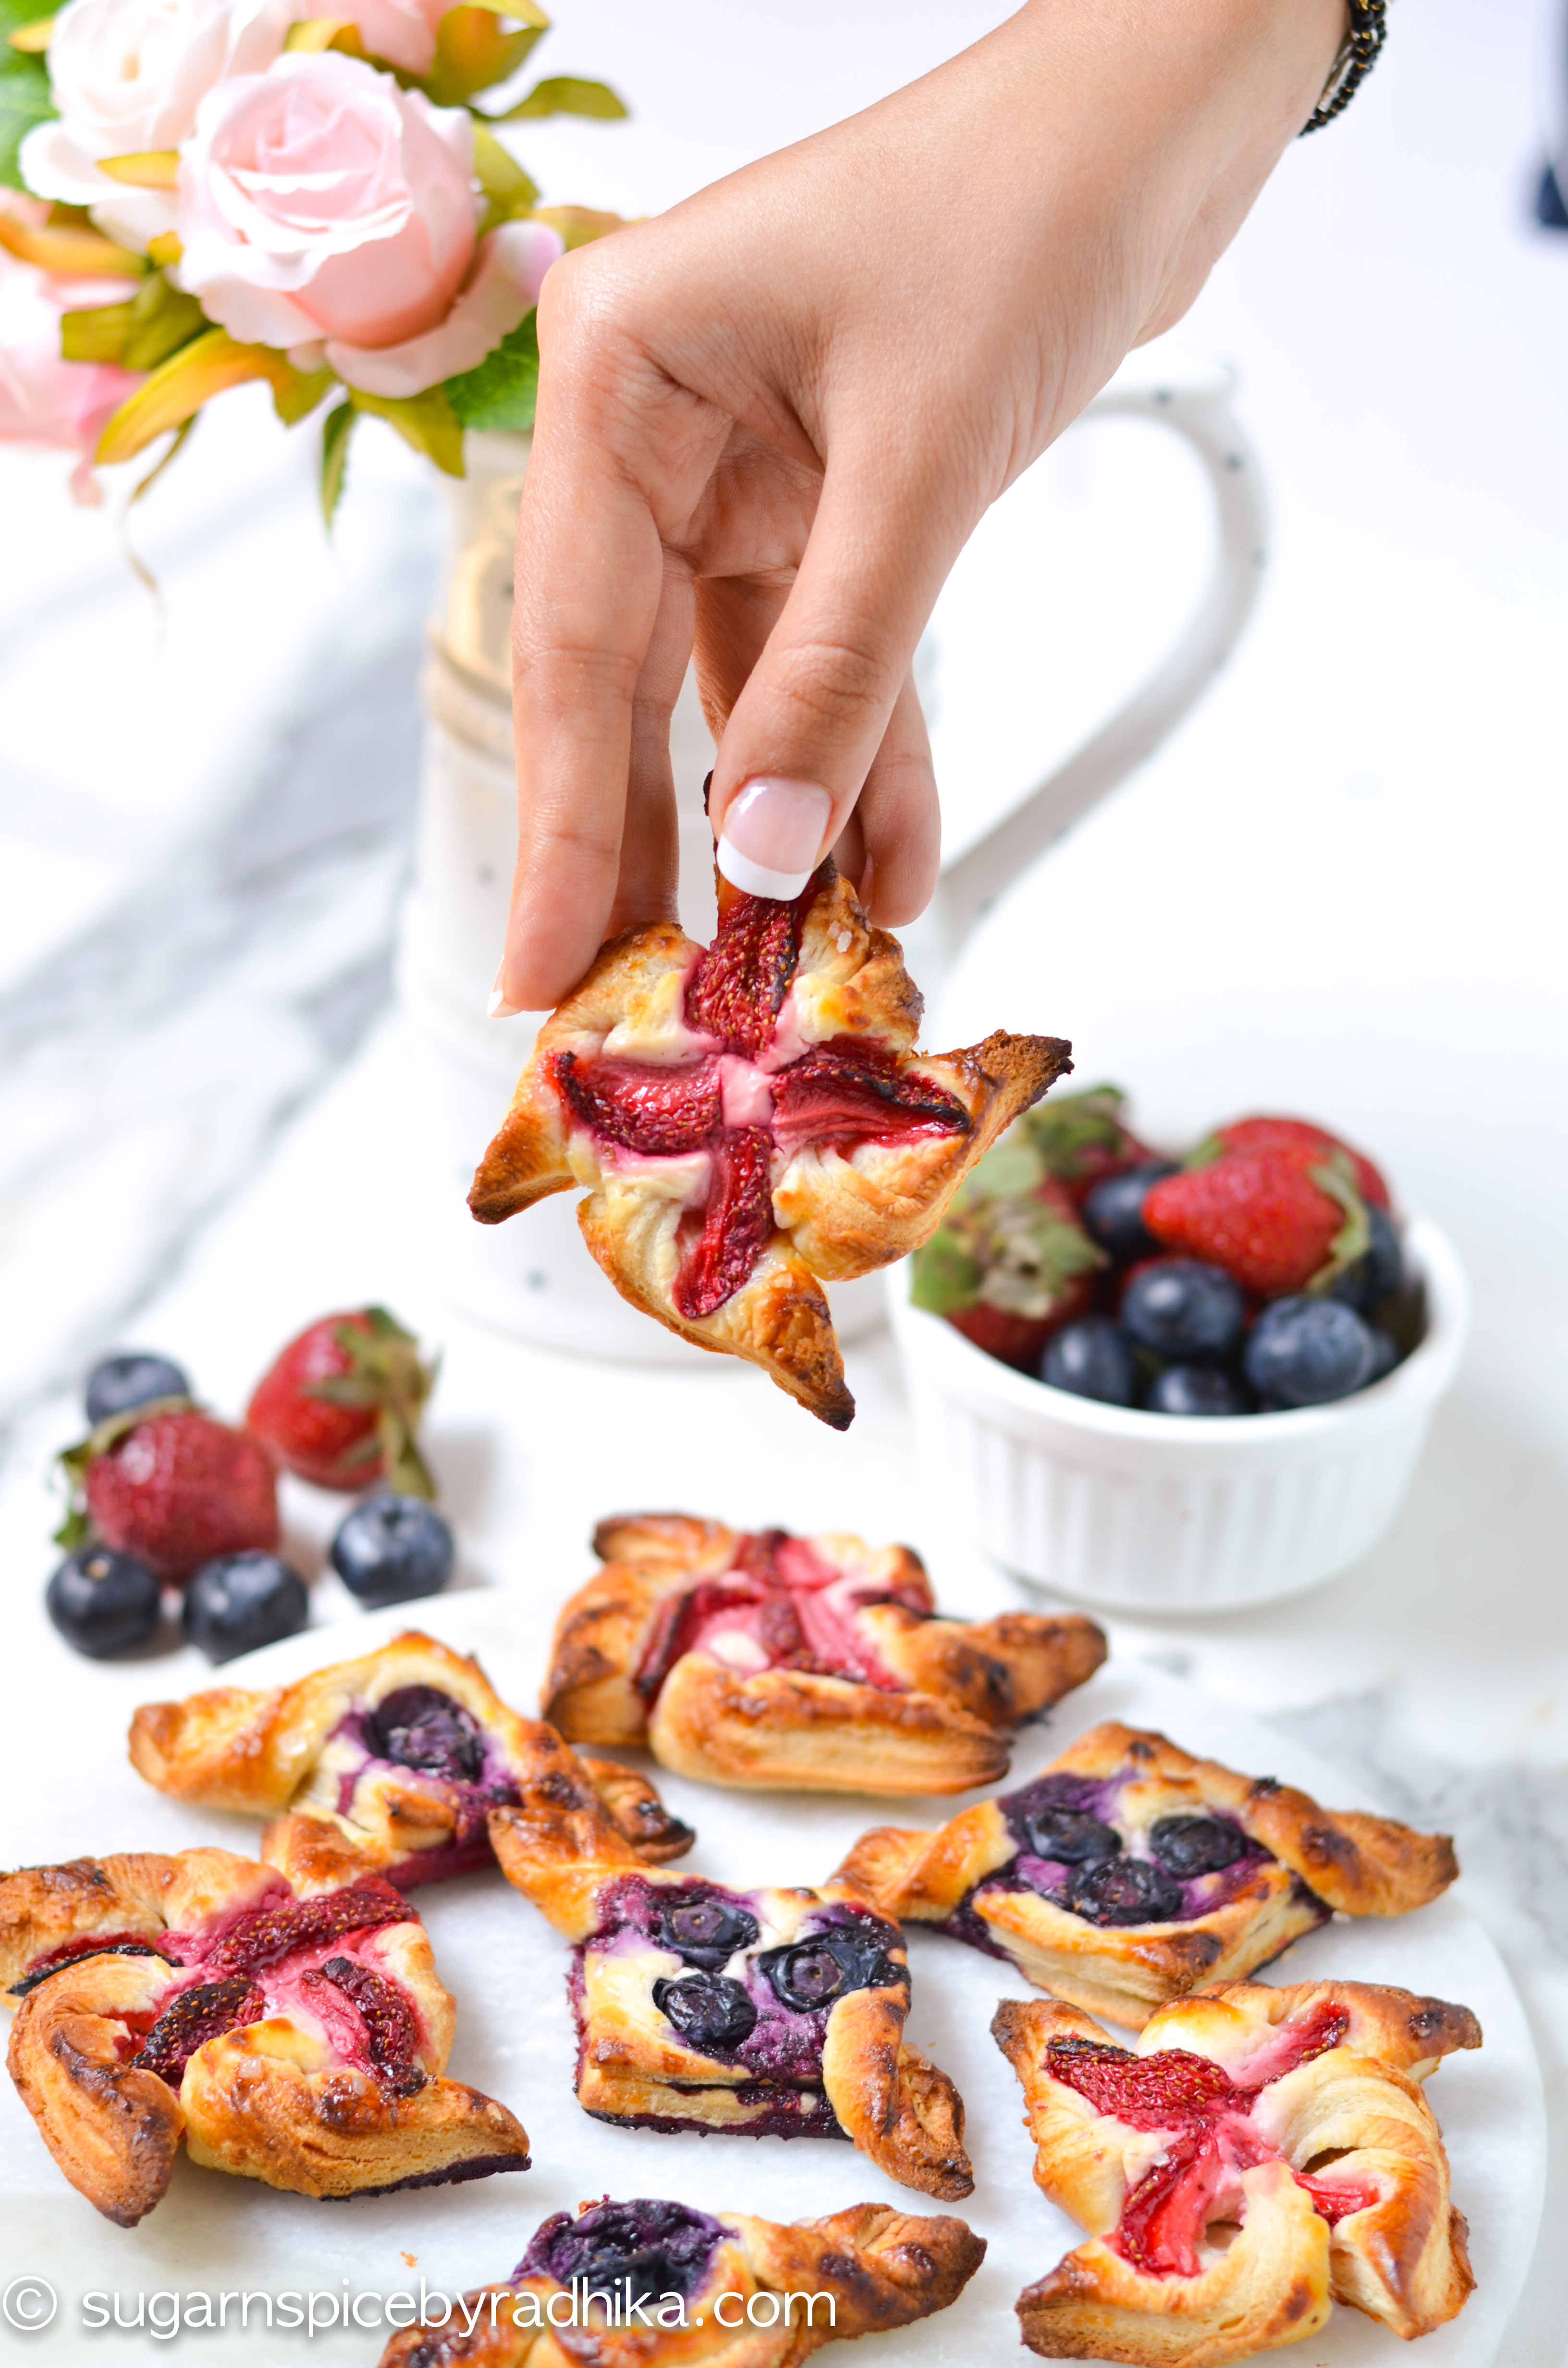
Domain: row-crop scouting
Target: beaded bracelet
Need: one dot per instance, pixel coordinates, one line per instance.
(1369, 31)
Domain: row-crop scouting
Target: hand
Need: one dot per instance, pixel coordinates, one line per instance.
(769, 419)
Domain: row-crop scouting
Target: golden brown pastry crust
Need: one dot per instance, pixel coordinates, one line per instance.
(940, 1722)
(558, 1847)
(1321, 1860)
(285, 1753)
(1349, 2112)
(881, 2268)
(836, 1213)
(290, 2097)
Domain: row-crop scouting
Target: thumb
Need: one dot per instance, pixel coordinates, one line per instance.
(806, 729)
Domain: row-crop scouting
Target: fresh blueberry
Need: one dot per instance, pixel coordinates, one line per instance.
(1371, 1281)
(708, 2009)
(1071, 1835)
(706, 1932)
(392, 1548)
(1091, 1357)
(240, 1601)
(103, 1602)
(1188, 1845)
(1196, 1389)
(1307, 1352)
(131, 1379)
(1184, 1309)
(1124, 1891)
(1386, 1353)
(1113, 1211)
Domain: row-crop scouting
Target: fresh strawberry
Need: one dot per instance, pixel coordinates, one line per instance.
(1307, 1143)
(1260, 1215)
(1018, 1340)
(340, 1406)
(1082, 1139)
(172, 1487)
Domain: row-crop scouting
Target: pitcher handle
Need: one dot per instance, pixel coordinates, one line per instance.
(1196, 402)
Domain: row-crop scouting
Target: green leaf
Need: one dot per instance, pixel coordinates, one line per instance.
(507, 189)
(426, 421)
(473, 54)
(568, 95)
(295, 394)
(24, 101)
(1336, 1177)
(95, 335)
(945, 1279)
(156, 322)
(1064, 1128)
(15, 14)
(501, 392)
(335, 430)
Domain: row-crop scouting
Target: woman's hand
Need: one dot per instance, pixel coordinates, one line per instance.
(769, 419)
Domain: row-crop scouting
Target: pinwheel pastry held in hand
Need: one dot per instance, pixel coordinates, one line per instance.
(389, 1765)
(293, 2035)
(1128, 1872)
(752, 1120)
(1255, 2153)
(639, 2280)
(763, 2012)
(806, 1664)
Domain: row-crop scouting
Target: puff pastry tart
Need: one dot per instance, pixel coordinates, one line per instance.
(389, 1764)
(1259, 2152)
(630, 2286)
(1128, 1872)
(297, 2036)
(752, 1120)
(764, 2012)
(806, 1664)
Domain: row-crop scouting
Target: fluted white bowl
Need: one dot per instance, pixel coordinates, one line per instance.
(1155, 1512)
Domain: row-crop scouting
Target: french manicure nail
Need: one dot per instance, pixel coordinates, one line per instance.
(498, 1007)
(773, 834)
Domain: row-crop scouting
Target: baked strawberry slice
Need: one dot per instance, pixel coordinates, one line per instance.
(736, 1222)
(738, 988)
(848, 1092)
(659, 1112)
(174, 1487)
(1262, 1216)
(1301, 1140)
(341, 1404)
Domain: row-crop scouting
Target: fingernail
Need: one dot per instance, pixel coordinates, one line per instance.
(498, 1007)
(773, 834)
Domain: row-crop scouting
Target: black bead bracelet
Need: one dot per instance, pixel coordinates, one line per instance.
(1369, 31)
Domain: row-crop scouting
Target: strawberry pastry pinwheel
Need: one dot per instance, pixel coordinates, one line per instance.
(752, 1121)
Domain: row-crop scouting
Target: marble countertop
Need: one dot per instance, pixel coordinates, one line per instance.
(1337, 889)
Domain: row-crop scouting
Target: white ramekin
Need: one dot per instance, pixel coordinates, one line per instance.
(1156, 1512)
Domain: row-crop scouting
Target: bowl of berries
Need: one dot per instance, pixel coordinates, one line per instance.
(1176, 1382)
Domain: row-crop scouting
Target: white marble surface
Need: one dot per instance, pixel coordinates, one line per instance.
(1340, 889)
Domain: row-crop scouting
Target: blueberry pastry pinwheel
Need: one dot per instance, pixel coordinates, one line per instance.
(294, 2035)
(1258, 2153)
(650, 2284)
(389, 1764)
(807, 1663)
(751, 1119)
(1129, 1872)
(764, 2012)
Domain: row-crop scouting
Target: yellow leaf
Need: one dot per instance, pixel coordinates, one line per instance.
(473, 52)
(98, 334)
(178, 388)
(578, 224)
(157, 168)
(568, 95)
(165, 249)
(426, 421)
(33, 39)
(507, 189)
(316, 33)
(68, 251)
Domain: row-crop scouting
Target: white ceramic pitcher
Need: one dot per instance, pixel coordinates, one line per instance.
(533, 1277)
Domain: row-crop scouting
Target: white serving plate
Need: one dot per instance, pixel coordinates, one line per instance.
(1156, 1512)
(507, 1969)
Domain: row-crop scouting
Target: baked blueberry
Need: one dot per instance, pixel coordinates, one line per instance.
(813, 1972)
(708, 2009)
(705, 1931)
(1189, 1846)
(656, 2247)
(133, 1378)
(1308, 1352)
(1124, 1891)
(1093, 1358)
(103, 1602)
(1070, 1836)
(1113, 1211)
(1373, 1277)
(419, 1726)
(1184, 1309)
(1197, 1390)
(391, 1548)
(240, 1601)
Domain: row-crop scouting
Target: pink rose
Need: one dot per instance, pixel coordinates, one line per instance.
(320, 207)
(43, 399)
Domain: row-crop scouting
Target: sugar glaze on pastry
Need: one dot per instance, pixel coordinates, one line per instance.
(751, 1119)
(810, 1664)
(1256, 2153)
(1129, 1872)
(295, 2036)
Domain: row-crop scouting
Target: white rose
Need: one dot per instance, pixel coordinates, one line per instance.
(127, 77)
